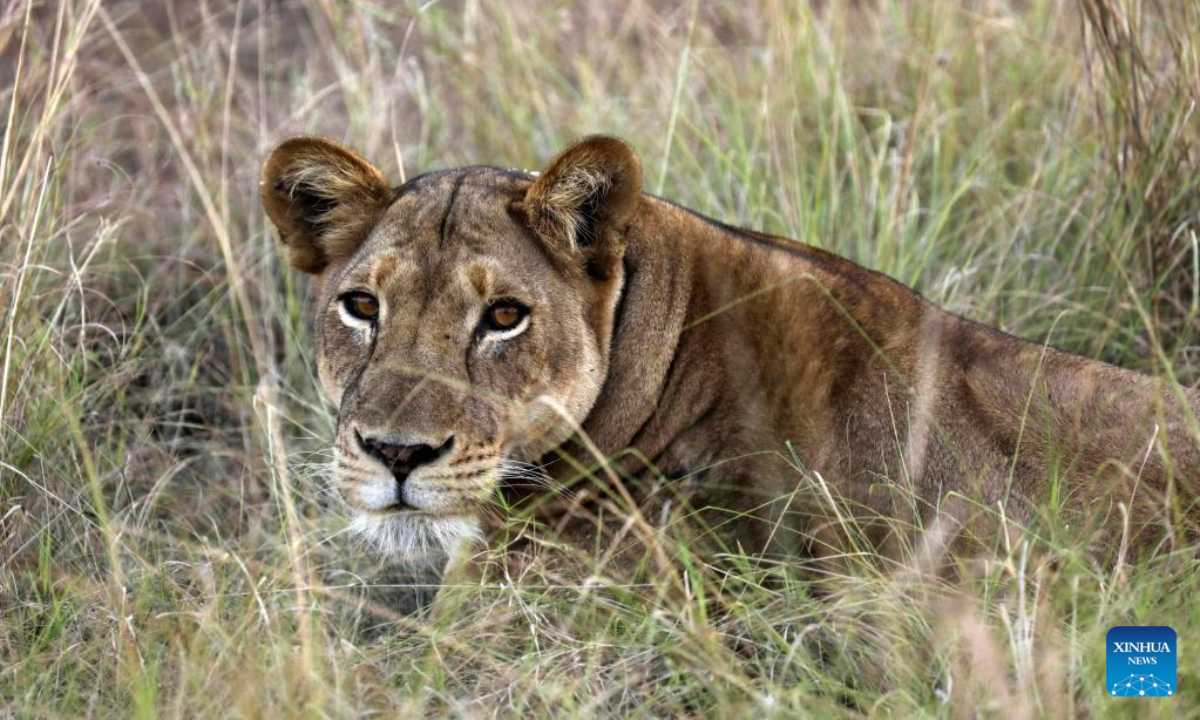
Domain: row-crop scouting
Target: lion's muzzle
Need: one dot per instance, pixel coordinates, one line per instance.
(401, 459)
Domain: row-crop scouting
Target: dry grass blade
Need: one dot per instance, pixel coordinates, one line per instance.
(170, 544)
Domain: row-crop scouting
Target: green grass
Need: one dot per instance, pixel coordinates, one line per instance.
(169, 543)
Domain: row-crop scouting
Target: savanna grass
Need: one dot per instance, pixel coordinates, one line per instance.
(169, 545)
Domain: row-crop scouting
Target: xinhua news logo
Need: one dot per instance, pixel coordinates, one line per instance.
(1141, 661)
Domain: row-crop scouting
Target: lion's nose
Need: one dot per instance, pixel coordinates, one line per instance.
(403, 459)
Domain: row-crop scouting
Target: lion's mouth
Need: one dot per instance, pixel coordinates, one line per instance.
(401, 508)
(427, 492)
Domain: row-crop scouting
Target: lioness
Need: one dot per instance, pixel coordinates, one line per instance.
(476, 322)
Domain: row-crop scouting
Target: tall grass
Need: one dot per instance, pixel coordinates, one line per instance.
(168, 541)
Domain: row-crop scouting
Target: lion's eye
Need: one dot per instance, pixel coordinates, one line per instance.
(362, 306)
(504, 315)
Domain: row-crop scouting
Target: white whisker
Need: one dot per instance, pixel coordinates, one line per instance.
(536, 474)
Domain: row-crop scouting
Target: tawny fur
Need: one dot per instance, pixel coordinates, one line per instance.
(768, 385)
(322, 198)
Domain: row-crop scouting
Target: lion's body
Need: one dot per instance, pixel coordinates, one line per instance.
(773, 384)
(763, 367)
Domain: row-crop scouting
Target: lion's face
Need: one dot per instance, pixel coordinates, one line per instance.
(462, 322)
(449, 331)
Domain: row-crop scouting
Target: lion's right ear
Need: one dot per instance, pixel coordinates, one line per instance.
(323, 197)
(584, 201)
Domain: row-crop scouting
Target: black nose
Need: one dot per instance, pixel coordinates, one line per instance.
(402, 459)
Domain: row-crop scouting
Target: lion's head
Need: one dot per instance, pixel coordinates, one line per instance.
(462, 321)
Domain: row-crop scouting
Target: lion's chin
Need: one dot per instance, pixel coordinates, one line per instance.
(417, 537)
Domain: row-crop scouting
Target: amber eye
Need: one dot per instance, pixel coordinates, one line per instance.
(504, 315)
(362, 306)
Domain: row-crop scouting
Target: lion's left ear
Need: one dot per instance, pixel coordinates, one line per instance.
(583, 202)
